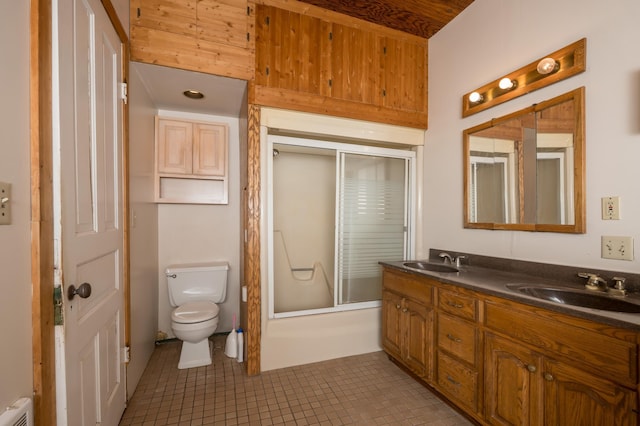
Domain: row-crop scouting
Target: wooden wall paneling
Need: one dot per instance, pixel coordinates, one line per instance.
(263, 44)
(405, 75)
(416, 83)
(355, 64)
(347, 53)
(183, 52)
(220, 46)
(252, 243)
(173, 16)
(291, 49)
(223, 21)
(391, 70)
(296, 101)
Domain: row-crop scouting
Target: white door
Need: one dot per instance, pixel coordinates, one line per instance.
(90, 214)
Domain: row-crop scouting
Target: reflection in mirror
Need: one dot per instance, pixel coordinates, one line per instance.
(525, 171)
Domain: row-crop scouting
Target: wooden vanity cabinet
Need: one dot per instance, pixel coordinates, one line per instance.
(407, 319)
(507, 363)
(548, 368)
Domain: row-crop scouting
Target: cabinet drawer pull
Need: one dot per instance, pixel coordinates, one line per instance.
(452, 380)
(454, 338)
(531, 368)
(454, 304)
(405, 310)
(548, 377)
(398, 306)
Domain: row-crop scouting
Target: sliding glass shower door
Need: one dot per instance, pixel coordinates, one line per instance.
(372, 222)
(336, 211)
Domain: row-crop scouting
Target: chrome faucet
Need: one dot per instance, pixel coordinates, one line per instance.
(447, 258)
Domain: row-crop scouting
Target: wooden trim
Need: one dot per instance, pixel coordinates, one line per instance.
(252, 243)
(317, 104)
(43, 337)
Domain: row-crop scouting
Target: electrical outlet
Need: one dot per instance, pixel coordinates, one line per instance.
(611, 208)
(617, 248)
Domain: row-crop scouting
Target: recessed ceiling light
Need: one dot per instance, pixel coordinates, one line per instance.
(193, 94)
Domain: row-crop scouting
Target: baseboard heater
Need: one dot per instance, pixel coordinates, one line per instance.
(20, 413)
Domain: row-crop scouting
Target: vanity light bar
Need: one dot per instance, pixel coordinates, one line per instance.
(557, 66)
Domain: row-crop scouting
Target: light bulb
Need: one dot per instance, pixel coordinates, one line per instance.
(475, 97)
(547, 66)
(506, 83)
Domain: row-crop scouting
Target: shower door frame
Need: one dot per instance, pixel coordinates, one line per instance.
(360, 149)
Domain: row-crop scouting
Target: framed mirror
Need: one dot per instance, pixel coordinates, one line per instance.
(526, 171)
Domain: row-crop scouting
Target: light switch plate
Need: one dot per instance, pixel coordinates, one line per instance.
(617, 248)
(5, 203)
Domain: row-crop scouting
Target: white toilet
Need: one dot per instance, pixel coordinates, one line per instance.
(194, 290)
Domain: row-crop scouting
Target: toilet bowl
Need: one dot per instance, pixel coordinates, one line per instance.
(193, 323)
(194, 291)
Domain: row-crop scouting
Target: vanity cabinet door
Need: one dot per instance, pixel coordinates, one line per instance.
(574, 396)
(513, 388)
(406, 332)
(418, 346)
(391, 323)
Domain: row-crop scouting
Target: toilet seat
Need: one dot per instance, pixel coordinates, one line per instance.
(195, 312)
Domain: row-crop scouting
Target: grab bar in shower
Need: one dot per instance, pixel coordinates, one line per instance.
(302, 269)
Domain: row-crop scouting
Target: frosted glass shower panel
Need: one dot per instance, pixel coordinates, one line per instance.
(373, 222)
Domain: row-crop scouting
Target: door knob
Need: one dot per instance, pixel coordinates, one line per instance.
(83, 291)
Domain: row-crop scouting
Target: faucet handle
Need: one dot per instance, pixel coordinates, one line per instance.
(619, 282)
(458, 259)
(618, 288)
(593, 280)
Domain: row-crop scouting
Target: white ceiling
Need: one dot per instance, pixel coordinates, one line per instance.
(222, 95)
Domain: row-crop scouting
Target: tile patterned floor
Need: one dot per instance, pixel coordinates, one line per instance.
(359, 390)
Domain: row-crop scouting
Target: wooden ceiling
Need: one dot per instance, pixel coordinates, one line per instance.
(423, 18)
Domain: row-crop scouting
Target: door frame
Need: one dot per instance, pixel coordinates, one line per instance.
(42, 237)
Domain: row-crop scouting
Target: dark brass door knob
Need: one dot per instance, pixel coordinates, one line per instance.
(83, 291)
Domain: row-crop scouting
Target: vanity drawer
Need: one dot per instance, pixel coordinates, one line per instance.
(457, 304)
(406, 284)
(458, 381)
(457, 337)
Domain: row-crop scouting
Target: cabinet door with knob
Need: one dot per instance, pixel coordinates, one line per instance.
(523, 387)
(512, 383)
(407, 322)
(575, 396)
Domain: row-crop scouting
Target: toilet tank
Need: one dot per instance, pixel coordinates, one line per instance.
(191, 282)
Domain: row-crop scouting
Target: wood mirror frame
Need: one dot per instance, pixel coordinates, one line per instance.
(509, 160)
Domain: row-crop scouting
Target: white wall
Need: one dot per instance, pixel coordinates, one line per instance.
(16, 378)
(200, 233)
(144, 230)
(494, 37)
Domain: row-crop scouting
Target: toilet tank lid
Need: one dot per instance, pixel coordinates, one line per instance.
(195, 267)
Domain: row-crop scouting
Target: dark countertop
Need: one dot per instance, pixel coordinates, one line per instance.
(493, 281)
